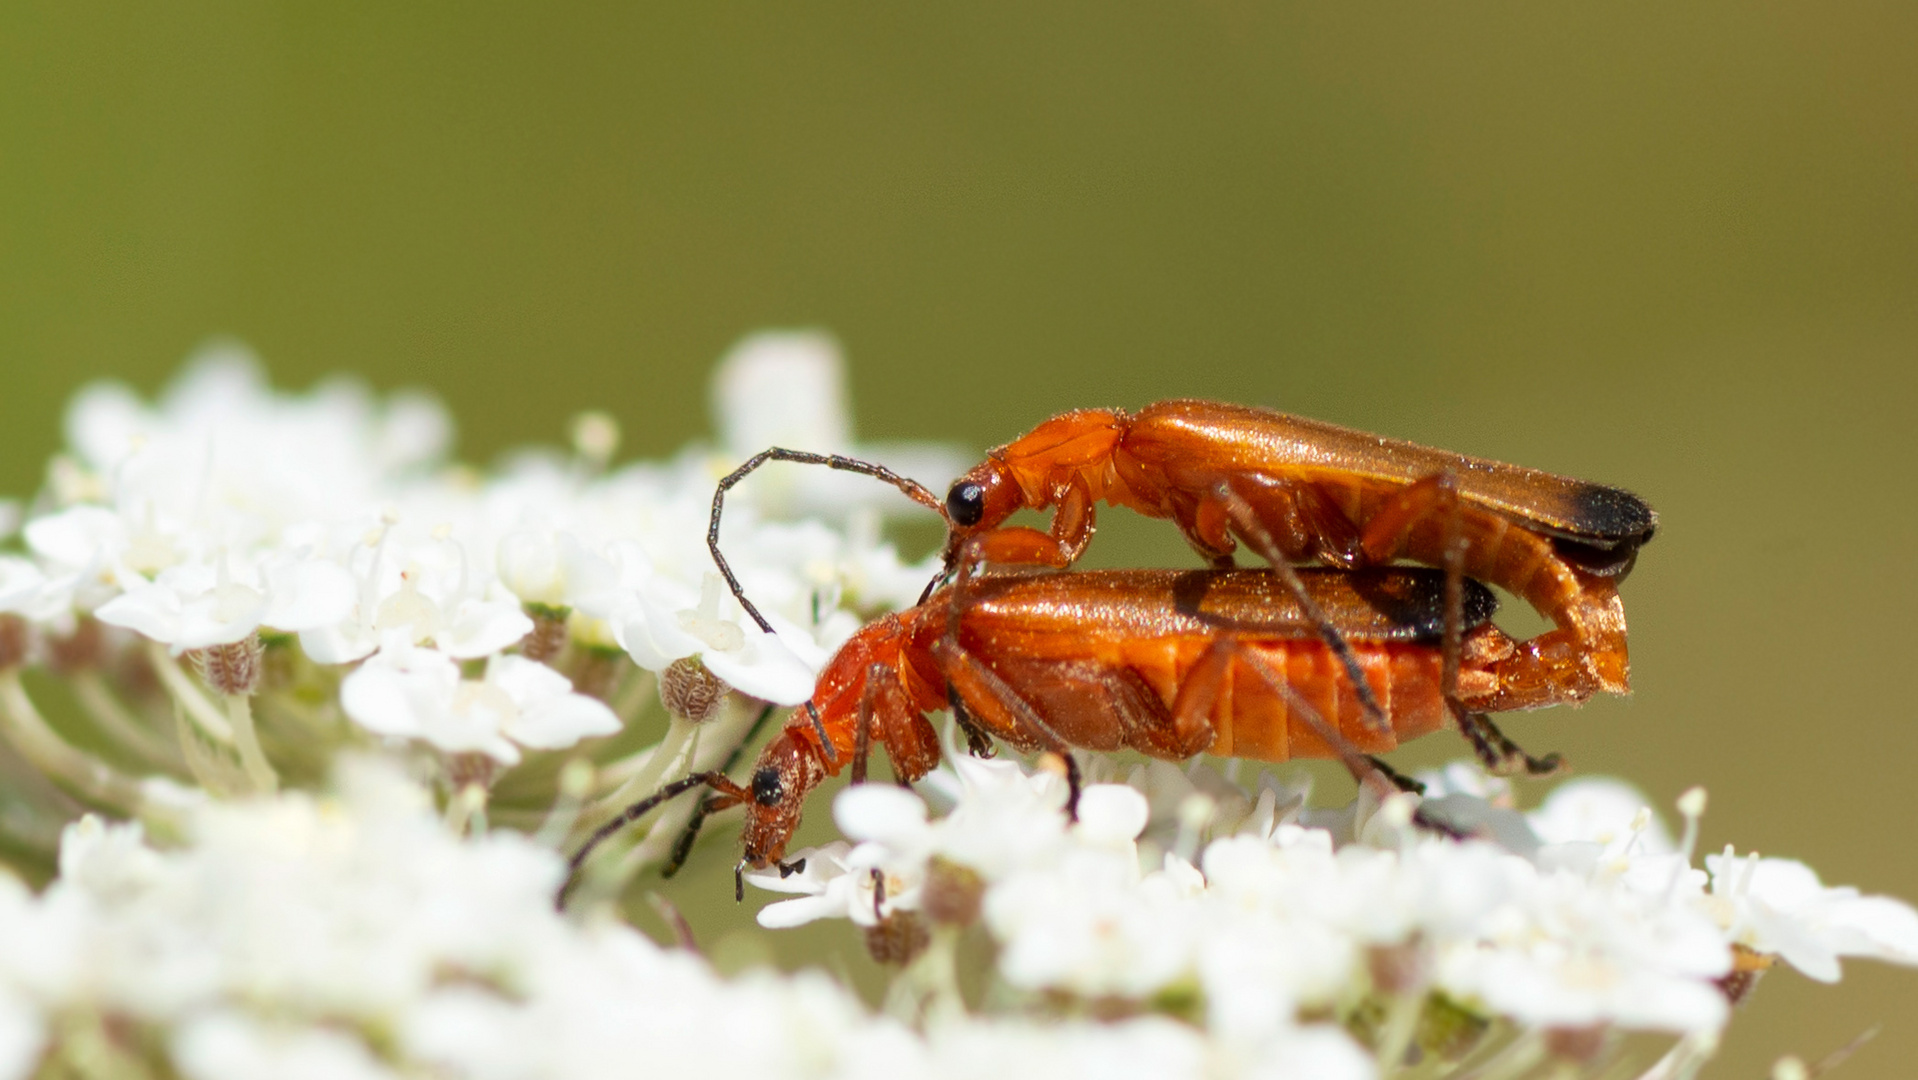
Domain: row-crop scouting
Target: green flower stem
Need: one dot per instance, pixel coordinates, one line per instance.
(632, 698)
(575, 783)
(467, 809)
(670, 758)
(119, 724)
(657, 844)
(1684, 1060)
(1401, 1026)
(1515, 1059)
(926, 994)
(663, 761)
(199, 710)
(85, 776)
(239, 713)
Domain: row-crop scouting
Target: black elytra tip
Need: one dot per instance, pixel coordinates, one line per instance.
(1613, 514)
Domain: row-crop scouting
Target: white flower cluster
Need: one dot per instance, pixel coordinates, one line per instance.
(243, 589)
(354, 938)
(1579, 917)
(331, 530)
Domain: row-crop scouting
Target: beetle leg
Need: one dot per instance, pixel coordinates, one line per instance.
(1191, 717)
(978, 743)
(862, 731)
(1360, 765)
(1499, 754)
(1000, 709)
(1208, 528)
(1384, 539)
(886, 714)
(1018, 545)
(1072, 522)
(1399, 779)
(1246, 521)
(683, 846)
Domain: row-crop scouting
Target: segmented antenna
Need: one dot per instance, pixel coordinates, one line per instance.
(912, 489)
(628, 816)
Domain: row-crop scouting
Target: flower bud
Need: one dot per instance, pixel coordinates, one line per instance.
(898, 938)
(231, 669)
(465, 771)
(595, 437)
(597, 672)
(548, 635)
(689, 691)
(1398, 969)
(952, 893)
(81, 650)
(1582, 1045)
(14, 641)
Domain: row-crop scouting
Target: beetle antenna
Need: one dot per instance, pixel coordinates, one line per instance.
(684, 845)
(631, 814)
(913, 490)
(819, 728)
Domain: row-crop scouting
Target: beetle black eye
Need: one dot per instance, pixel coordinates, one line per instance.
(767, 790)
(966, 503)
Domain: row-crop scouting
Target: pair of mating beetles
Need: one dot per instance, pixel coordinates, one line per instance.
(1327, 651)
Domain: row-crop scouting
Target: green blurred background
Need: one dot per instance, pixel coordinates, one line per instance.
(1669, 247)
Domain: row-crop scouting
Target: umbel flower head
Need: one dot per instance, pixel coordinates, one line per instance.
(346, 705)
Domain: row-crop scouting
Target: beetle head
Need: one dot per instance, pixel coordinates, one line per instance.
(979, 501)
(786, 772)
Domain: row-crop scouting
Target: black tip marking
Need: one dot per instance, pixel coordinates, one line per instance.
(1414, 600)
(1613, 514)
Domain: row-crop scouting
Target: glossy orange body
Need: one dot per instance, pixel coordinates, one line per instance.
(1303, 491)
(1168, 663)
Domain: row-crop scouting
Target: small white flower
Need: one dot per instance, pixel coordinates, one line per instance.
(1779, 906)
(26, 591)
(1149, 1047)
(1091, 925)
(833, 886)
(1603, 811)
(23, 1036)
(420, 590)
(229, 1045)
(194, 605)
(663, 623)
(788, 388)
(410, 692)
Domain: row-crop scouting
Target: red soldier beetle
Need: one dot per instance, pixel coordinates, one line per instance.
(1295, 491)
(1169, 663)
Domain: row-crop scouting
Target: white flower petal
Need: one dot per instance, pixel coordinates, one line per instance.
(483, 627)
(763, 667)
(1112, 814)
(400, 691)
(782, 388)
(551, 716)
(23, 1036)
(879, 812)
(150, 610)
(305, 594)
(230, 1046)
(84, 536)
